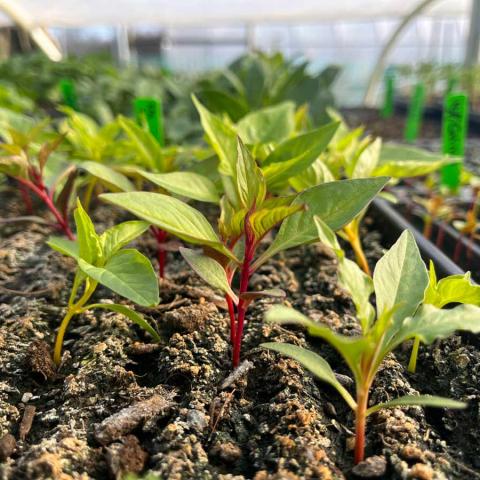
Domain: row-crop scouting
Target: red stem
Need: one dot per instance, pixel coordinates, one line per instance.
(161, 236)
(360, 422)
(244, 278)
(42, 192)
(231, 312)
(440, 236)
(27, 201)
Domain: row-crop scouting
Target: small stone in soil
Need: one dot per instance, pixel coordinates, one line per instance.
(125, 457)
(420, 471)
(26, 423)
(39, 359)
(191, 318)
(127, 419)
(372, 467)
(229, 452)
(8, 446)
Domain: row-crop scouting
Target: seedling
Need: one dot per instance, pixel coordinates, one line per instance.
(351, 156)
(247, 216)
(399, 283)
(27, 164)
(440, 293)
(101, 259)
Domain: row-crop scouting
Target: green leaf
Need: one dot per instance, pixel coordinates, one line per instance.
(400, 278)
(220, 102)
(116, 237)
(171, 215)
(360, 286)
(327, 236)
(64, 246)
(420, 400)
(296, 154)
(145, 145)
(128, 273)
(264, 219)
(313, 175)
(250, 183)
(367, 161)
(271, 124)
(400, 161)
(350, 348)
(187, 184)
(431, 323)
(108, 176)
(209, 270)
(129, 313)
(315, 364)
(89, 248)
(14, 166)
(336, 203)
(222, 136)
(452, 289)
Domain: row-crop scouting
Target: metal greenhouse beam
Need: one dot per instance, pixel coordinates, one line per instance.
(39, 35)
(377, 73)
(473, 42)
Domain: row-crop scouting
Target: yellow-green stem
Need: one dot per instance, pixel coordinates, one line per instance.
(360, 256)
(88, 194)
(412, 364)
(72, 310)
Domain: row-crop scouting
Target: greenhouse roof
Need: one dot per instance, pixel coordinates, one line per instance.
(75, 13)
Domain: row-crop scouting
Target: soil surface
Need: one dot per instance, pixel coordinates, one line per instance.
(120, 403)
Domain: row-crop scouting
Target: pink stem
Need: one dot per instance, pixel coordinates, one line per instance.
(244, 278)
(43, 194)
(160, 235)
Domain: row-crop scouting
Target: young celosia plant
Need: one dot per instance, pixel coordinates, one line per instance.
(26, 164)
(399, 282)
(247, 216)
(101, 259)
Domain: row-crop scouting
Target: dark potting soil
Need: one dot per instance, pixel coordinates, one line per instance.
(120, 403)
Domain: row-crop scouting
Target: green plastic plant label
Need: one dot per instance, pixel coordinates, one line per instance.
(454, 132)
(69, 93)
(150, 110)
(415, 113)
(388, 105)
(452, 83)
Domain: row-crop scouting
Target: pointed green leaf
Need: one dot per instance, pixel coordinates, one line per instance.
(293, 156)
(14, 166)
(313, 175)
(336, 203)
(350, 348)
(111, 178)
(116, 237)
(145, 145)
(367, 161)
(186, 184)
(420, 400)
(222, 136)
(315, 364)
(128, 273)
(400, 278)
(209, 270)
(400, 161)
(64, 246)
(171, 215)
(89, 248)
(430, 323)
(129, 313)
(360, 286)
(452, 289)
(251, 185)
(263, 220)
(270, 124)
